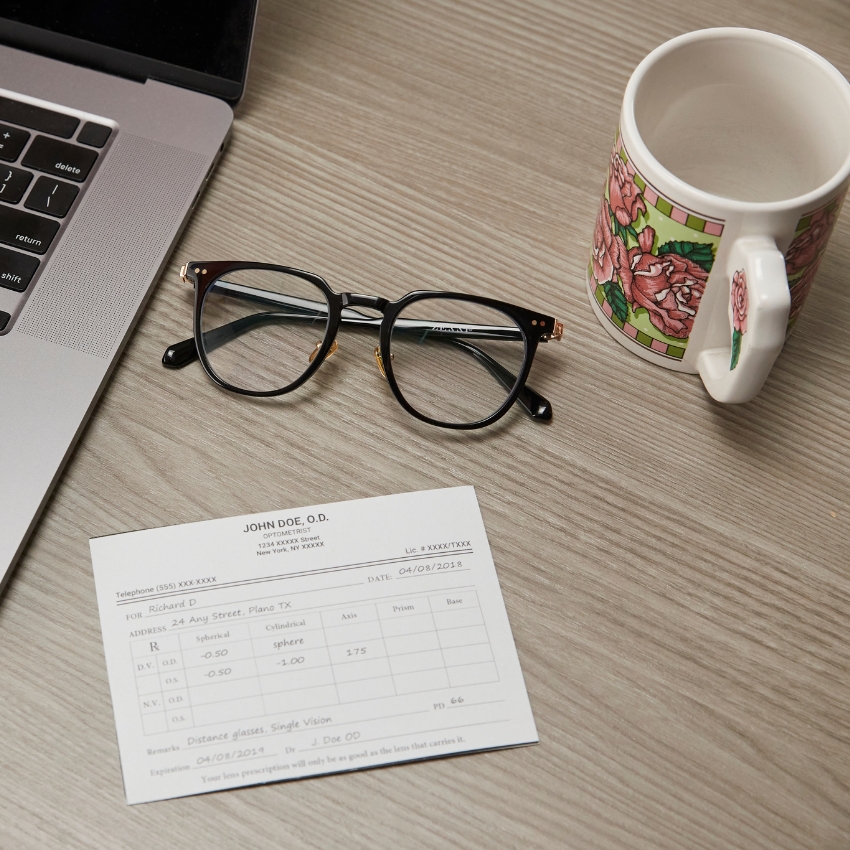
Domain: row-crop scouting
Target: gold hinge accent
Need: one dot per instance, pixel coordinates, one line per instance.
(183, 269)
(556, 334)
(380, 360)
(315, 351)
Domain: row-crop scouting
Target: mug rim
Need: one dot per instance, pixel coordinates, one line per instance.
(637, 146)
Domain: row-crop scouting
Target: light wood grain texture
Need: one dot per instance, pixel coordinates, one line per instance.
(676, 572)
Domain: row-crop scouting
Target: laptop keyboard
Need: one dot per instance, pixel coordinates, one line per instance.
(42, 174)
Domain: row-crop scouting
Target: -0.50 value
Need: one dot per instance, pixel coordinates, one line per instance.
(215, 653)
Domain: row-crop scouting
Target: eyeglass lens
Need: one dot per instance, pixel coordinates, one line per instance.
(455, 361)
(259, 328)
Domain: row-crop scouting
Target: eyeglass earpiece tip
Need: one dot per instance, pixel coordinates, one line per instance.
(180, 354)
(543, 411)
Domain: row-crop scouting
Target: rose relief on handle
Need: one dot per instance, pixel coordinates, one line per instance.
(758, 308)
(739, 306)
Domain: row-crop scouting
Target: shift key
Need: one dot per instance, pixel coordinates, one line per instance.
(59, 158)
(25, 230)
(16, 270)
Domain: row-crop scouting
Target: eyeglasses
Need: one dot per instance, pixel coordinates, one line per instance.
(452, 360)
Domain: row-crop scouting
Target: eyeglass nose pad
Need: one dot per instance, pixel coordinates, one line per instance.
(315, 351)
(380, 361)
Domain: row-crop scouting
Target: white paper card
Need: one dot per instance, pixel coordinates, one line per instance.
(301, 642)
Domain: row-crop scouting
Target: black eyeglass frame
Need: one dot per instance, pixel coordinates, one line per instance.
(535, 328)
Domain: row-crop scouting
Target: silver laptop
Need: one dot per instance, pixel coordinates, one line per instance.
(111, 121)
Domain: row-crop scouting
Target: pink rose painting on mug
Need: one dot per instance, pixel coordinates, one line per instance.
(650, 260)
(806, 251)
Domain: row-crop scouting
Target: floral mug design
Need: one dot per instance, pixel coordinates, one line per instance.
(806, 251)
(740, 304)
(650, 260)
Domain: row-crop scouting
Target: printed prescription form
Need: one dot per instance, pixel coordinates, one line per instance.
(301, 642)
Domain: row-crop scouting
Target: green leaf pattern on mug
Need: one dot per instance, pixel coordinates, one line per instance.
(736, 348)
(699, 252)
(617, 300)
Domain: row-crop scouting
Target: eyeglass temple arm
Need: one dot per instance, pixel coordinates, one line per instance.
(535, 405)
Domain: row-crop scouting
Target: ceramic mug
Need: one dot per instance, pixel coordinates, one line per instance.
(728, 172)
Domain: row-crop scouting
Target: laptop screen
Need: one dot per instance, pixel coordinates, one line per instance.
(200, 45)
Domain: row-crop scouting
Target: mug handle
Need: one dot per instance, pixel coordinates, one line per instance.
(758, 307)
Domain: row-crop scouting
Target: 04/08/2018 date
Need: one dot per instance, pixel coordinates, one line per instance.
(429, 568)
(234, 755)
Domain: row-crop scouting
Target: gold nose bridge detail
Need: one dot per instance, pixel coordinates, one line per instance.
(315, 351)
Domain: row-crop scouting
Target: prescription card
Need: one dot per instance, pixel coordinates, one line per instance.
(301, 642)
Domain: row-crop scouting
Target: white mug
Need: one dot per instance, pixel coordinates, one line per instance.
(728, 172)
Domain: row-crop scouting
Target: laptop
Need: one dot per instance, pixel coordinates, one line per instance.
(112, 118)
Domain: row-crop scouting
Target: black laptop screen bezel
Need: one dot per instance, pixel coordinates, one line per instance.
(102, 57)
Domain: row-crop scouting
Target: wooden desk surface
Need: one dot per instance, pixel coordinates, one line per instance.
(682, 620)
